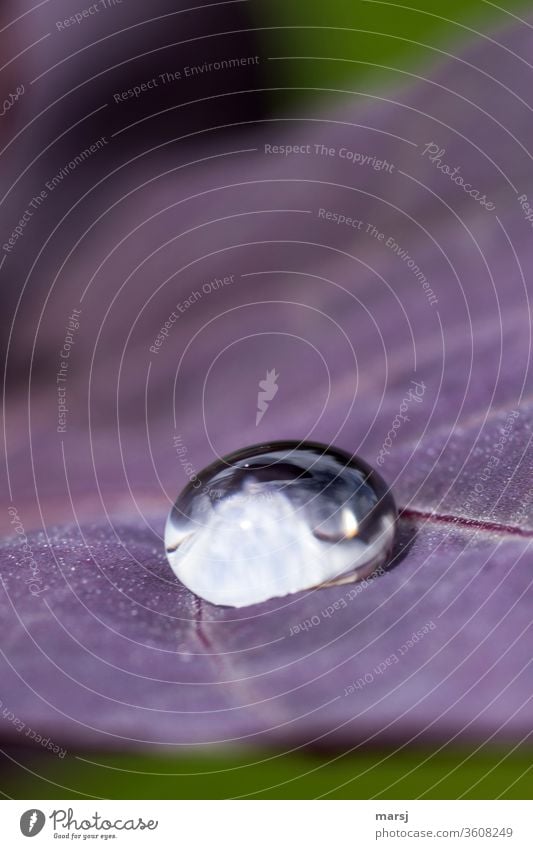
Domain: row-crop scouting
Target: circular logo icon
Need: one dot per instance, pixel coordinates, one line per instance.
(32, 822)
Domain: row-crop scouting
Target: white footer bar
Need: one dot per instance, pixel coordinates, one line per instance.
(269, 824)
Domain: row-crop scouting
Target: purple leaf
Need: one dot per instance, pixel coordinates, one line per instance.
(244, 245)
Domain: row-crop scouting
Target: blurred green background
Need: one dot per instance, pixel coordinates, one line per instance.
(384, 44)
(406, 773)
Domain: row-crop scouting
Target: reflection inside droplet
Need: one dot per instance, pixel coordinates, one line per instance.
(277, 519)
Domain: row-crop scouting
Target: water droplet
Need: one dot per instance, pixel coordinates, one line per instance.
(276, 519)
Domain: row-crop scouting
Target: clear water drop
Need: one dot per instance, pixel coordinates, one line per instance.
(279, 518)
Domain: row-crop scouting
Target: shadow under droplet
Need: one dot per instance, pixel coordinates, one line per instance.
(405, 537)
